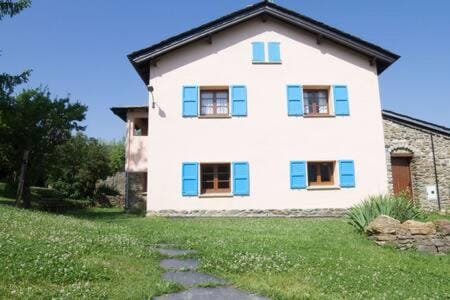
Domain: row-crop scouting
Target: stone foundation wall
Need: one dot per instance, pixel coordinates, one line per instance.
(137, 195)
(425, 237)
(403, 138)
(286, 213)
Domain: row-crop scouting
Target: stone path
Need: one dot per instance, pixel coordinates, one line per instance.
(183, 271)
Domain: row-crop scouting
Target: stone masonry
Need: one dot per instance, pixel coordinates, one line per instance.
(401, 138)
(137, 182)
(273, 213)
(432, 237)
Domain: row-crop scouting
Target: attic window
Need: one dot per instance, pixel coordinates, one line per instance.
(140, 127)
(259, 50)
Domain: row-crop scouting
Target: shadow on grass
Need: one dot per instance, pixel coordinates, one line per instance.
(102, 214)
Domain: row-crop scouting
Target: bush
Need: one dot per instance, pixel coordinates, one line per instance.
(395, 206)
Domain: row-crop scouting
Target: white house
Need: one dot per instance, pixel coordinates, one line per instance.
(262, 111)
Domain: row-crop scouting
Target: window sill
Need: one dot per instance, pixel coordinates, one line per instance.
(215, 117)
(323, 187)
(266, 62)
(216, 195)
(319, 116)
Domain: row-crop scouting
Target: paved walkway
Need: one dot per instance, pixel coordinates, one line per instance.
(183, 271)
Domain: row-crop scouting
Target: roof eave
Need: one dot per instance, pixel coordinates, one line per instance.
(414, 122)
(383, 58)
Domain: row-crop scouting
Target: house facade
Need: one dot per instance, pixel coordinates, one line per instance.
(261, 112)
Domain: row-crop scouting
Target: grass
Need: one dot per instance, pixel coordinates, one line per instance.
(106, 254)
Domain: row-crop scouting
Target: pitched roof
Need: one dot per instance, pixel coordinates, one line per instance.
(121, 111)
(407, 120)
(141, 59)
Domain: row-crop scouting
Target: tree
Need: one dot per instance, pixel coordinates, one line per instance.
(33, 125)
(8, 82)
(78, 165)
(117, 156)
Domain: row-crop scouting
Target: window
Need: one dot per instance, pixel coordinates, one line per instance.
(316, 101)
(215, 178)
(214, 102)
(321, 173)
(140, 127)
(259, 52)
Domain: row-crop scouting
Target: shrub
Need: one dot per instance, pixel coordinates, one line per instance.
(395, 206)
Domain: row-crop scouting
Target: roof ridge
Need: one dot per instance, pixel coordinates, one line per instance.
(141, 57)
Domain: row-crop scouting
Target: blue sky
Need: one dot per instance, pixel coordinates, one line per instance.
(79, 48)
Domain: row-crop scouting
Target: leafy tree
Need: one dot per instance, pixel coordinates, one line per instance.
(117, 156)
(78, 165)
(32, 126)
(8, 82)
(11, 8)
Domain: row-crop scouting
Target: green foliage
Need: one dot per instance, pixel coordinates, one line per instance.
(7, 85)
(395, 206)
(78, 165)
(11, 8)
(33, 122)
(117, 156)
(106, 190)
(106, 254)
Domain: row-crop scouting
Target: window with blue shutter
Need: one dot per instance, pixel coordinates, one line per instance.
(298, 174)
(294, 100)
(238, 100)
(241, 179)
(341, 107)
(347, 173)
(258, 52)
(274, 51)
(190, 101)
(190, 179)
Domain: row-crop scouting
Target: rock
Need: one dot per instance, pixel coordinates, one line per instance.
(419, 228)
(385, 237)
(384, 224)
(423, 248)
(443, 226)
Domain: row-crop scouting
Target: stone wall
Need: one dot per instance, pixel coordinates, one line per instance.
(403, 138)
(293, 213)
(426, 237)
(137, 190)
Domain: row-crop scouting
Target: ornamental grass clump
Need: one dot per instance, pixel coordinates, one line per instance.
(396, 206)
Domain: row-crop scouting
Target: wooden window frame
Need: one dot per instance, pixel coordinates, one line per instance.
(316, 88)
(214, 89)
(319, 181)
(215, 189)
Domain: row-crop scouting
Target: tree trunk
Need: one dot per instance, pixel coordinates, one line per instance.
(21, 193)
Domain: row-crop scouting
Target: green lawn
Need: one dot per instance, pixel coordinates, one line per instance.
(103, 253)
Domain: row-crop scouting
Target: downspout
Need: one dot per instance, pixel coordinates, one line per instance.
(436, 179)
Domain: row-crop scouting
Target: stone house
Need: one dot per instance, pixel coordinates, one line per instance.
(261, 112)
(418, 159)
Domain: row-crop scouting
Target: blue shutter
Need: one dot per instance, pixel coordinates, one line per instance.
(347, 173)
(295, 100)
(341, 100)
(241, 179)
(258, 52)
(190, 101)
(190, 179)
(298, 174)
(274, 52)
(238, 100)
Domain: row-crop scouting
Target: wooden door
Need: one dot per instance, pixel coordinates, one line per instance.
(401, 175)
